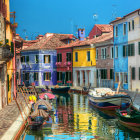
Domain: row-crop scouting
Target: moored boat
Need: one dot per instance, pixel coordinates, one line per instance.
(60, 89)
(129, 118)
(105, 98)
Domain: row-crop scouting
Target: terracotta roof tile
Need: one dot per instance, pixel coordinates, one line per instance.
(105, 27)
(102, 38)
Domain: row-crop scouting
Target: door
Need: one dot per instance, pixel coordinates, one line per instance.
(78, 78)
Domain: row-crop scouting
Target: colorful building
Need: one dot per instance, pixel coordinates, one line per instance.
(84, 63)
(64, 66)
(39, 60)
(100, 29)
(120, 28)
(104, 60)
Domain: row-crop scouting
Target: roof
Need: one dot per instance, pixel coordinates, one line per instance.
(102, 38)
(50, 42)
(117, 19)
(105, 27)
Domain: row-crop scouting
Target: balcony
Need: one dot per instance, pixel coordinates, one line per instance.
(5, 53)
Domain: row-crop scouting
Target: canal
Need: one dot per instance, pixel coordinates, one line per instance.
(75, 119)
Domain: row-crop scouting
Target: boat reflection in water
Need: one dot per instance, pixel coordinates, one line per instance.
(75, 119)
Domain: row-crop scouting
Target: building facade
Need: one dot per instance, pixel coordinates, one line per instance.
(120, 54)
(104, 61)
(38, 67)
(64, 65)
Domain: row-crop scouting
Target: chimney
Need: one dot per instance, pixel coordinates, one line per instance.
(26, 38)
(39, 36)
(81, 34)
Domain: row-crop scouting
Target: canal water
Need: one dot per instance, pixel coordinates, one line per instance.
(75, 119)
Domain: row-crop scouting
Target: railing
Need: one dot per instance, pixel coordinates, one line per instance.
(105, 83)
(5, 53)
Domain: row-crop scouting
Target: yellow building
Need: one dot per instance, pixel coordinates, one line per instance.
(9, 39)
(84, 64)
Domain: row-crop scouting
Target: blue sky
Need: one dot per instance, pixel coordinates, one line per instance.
(65, 16)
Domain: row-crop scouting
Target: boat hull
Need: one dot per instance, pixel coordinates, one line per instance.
(60, 90)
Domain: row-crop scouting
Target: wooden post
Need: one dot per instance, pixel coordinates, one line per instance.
(118, 87)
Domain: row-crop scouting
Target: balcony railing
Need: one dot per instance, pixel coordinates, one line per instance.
(5, 53)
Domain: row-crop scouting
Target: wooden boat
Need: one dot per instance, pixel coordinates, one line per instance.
(58, 89)
(105, 98)
(129, 117)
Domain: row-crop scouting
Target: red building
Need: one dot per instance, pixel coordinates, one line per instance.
(100, 29)
(64, 65)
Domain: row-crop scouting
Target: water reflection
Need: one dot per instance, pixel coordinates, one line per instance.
(74, 119)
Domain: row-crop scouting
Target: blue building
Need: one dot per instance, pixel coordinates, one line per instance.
(120, 53)
(38, 61)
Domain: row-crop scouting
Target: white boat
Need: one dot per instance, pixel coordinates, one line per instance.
(106, 98)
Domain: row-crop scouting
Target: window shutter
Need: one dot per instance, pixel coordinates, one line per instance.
(44, 58)
(57, 76)
(132, 50)
(12, 48)
(27, 58)
(21, 59)
(139, 48)
(66, 76)
(123, 51)
(49, 75)
(44, 75)
(133, 73)
(129, 50)
(49, 58)
(34, 77)
(97, 74)
(70, 76)
(60, 57)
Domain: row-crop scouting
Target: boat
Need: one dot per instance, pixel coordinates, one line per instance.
(60, 89)
(129, 117)
(105, 98)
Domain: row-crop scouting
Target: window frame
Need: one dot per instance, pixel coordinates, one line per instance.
(124, 29)
(27, 76)
(116, 31)
(36, 59)
(68, 58)
(88, 56)
(36, 78)
(68, 76)
(76, 56)
(59, 76)
(48, 75)
(49, 59)
(112, 52)
(59, 57)
(133, 24)
(133, 73)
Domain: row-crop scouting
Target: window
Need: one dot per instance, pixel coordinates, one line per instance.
(36, 59)
(68, 55)
(116, 77)
(68, 76)
(139, 48)
(47, 76)
(116, 51)
(124, 29)
(47, 58)
(17, 75)
(76, 56)
(23, 75)
(97, 73)
(36, 76)
(88, 55)
(111, 74)
(133, 24)
(124, 51)
(27, 59)
(59, 76)
(116, 31)
(96, 53)
(131, 50)
(103, 74)
(125, 78)
(27, 76)
(22, 59)
(103, 53)
(133, 73)
(59, 57)
(129, 26)
(112, 52)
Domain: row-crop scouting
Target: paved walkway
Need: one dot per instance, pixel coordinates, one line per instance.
(8, 115)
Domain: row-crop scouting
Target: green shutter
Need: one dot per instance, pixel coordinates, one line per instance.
(27, 59)
(21, 59)
(133, 73)
(44, 75)
(60, 57)
(8, 82)
(57, 57)
(129, 51)
(44, 58)
(12, 48)
(123, 51)
(49, 75)
(97, 74)
(49, 58)
(34, 76)
(70, 76)
(139, 48)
